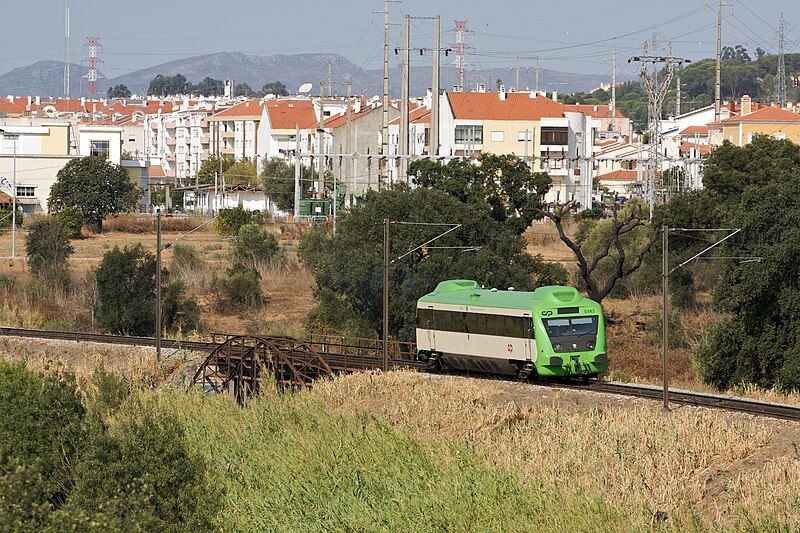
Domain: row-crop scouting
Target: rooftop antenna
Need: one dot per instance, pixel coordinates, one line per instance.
(66, 48)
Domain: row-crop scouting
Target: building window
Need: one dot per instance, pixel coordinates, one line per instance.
(498, 136)
(554, 136)
(26, 192)
(469, 134)
(526, 135)
(100, 148)
(131, 139)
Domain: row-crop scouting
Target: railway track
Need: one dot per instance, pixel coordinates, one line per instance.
(362, 360)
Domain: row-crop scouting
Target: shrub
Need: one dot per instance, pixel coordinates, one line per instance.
(5, 218)
(253, 246)
(109, 466)
(179, 312)
(186, 258)
(126, 291)
(230, 221)
(72, 220)
(239, 290)
(48, 248)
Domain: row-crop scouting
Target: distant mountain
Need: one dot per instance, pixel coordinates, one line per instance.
(45, 78)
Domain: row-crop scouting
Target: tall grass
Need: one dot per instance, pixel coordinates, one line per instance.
(289, 464)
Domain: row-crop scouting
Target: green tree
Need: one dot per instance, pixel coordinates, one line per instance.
(95, 187)
(180, 313)
(348, 268)
(118, 91)
(512, 191)
(756, 188)
(242, 172)
(208, 87)
(245, 90)
(277, 179)
(72, 220)
(277, 88)
(253, 247)
(212, 168)
(48, 248)
(230, 221)
(169, 85)
(126, 291)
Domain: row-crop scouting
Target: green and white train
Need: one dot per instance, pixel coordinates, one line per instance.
(550, 332)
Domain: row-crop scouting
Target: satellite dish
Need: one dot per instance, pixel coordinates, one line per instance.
(306, 87)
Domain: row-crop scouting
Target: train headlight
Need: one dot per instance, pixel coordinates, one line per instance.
(558, 347)
(590, 345)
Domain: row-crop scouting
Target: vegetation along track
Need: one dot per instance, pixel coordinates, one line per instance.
(347, 363)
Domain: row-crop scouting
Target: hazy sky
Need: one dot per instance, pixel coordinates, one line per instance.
(569, 35)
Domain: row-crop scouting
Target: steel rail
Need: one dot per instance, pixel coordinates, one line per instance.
(353, 362)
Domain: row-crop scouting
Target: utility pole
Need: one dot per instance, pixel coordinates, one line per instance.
(780, 78)
(14, 201)
(613, 108)
(678, 92)
(385, 125)
(404, 94)
(437, 30)
(158, 285)
(665, 315)
(297, 187)
(718, 82)
(385, 365)
(656, 91)
(321, 137)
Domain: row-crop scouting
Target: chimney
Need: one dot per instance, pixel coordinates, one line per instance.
(357, 107)
(228, 88)
(555, 96)
(30, 100)
(747, 105)
(481, 87)
(83, 101)
(502, 95)
(38, 100)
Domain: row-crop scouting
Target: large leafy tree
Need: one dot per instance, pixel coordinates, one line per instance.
(242, 172)
(213, 168)
(48, 248)
(118, 91)
(95, 187)
(505, 182)
(126, 291)
(276, 87)
(169, 85)
(348, 268)
(758, 189)
(277, 179)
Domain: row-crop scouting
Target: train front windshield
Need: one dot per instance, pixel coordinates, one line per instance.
(571, 327)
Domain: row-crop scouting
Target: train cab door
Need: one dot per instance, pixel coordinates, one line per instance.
(429, 327)
(528, 337)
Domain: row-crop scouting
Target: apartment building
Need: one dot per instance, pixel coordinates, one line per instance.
(233, 131)
(754, 119)
(39, 148)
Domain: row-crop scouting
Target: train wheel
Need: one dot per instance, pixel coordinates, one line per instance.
(525, 371)
(434, 363)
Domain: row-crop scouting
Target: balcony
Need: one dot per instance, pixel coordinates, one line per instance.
(170, 157)
(170, 141)
(170, 125)
(204, 156)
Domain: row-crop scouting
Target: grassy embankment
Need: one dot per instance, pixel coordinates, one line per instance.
(400, 451)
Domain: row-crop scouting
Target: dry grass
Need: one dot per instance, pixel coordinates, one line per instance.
(692, 463)
(130, 223)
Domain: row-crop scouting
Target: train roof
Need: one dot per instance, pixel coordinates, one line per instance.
(468, 292)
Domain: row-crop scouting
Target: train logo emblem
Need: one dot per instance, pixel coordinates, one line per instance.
(547, 313)
(510, 348)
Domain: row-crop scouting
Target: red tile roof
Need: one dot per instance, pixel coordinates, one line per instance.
(618, 175)
(155, 171)
(594, 111)
(516, 106)
(4, 198)
(687, 146)
(766, 114)
(418, 115)
(17, 107)
(288, 114)
(695, 130)
(337, 121)
(248, 108)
